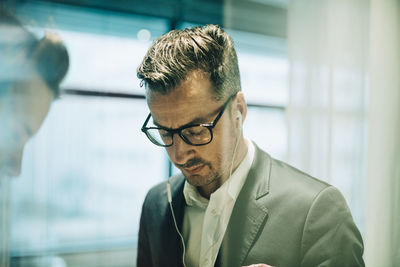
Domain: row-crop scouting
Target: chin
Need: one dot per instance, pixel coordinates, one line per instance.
(201, 180)
(195, 180)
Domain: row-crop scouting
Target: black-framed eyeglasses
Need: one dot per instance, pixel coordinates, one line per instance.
(193, 134)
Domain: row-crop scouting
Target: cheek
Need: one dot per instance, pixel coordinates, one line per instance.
(41, 116)
(32, 104)
(225, 137)
(225, 140)
(37, 114)
(215, 154)
(169, 152)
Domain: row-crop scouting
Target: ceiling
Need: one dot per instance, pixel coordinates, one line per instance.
(266, 17)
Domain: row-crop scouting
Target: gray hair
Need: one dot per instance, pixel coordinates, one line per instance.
(174, 55)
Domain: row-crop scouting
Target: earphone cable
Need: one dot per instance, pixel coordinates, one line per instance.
(179, 233)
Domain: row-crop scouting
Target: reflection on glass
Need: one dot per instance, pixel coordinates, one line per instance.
(30, 73)
(84, 178)
(85, 174)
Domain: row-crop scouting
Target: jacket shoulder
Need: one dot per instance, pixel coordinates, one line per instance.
(289, 187)
(284, 175)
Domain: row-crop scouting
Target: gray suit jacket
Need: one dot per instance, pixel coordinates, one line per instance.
(282, 217)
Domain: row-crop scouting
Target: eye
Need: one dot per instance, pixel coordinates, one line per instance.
(195, 131)
(164, 133)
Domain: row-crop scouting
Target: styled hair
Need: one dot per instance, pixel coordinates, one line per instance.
(21, 53)
(175, 54)
(51, 60)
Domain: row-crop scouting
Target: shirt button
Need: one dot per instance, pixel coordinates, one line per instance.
(205, 262)
(213, 212)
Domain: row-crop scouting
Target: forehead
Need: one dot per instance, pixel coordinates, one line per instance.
(195, 84)
(193, 98)
(32, 101)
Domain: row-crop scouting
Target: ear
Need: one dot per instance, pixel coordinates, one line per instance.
(241, 106)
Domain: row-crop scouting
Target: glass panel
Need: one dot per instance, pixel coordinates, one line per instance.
(268, 129)
(84, 178)
(264, 67)
(86, 173)
(103, 63)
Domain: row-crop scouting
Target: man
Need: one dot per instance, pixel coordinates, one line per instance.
(30, 73)
(232, 205)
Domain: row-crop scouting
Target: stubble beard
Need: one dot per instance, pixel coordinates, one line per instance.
(203, 180)
(214, 175)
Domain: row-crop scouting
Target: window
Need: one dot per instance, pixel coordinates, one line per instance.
(86, 173)
(264, 70)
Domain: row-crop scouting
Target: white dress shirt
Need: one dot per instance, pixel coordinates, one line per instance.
(205, 221)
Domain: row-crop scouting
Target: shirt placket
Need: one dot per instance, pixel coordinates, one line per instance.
(210, 235)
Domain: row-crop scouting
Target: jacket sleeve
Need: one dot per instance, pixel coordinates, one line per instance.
(330, 237)
(143, 249)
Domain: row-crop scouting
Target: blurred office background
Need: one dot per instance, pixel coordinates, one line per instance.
(321, 79)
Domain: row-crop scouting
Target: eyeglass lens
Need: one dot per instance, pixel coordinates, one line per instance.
(195, 135)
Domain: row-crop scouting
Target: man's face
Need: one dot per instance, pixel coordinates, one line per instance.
(191, 102)
(22, 112)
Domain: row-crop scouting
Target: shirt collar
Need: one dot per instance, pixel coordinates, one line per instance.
(193, 197)
(230, 188)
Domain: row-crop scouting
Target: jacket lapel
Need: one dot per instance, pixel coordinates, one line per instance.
(249, 213)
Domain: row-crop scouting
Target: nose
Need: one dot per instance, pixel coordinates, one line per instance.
(180, 151)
